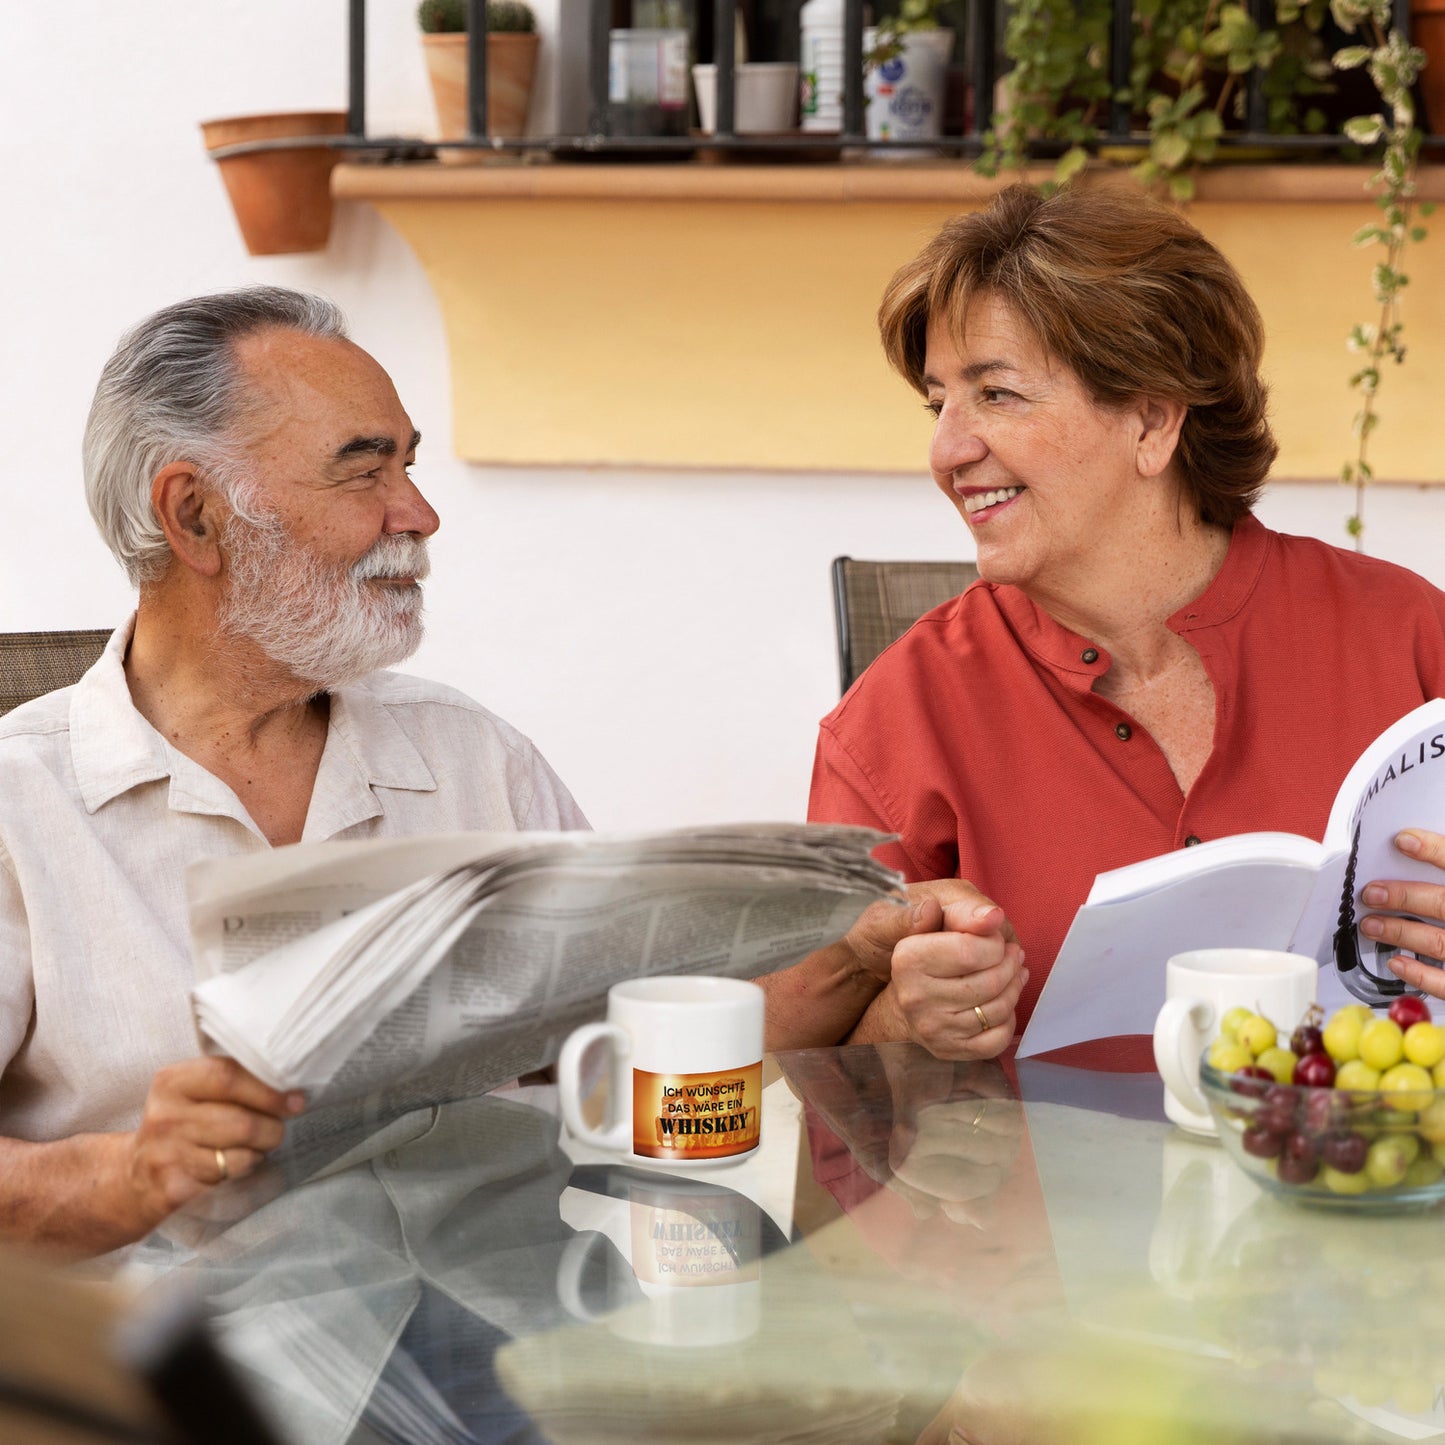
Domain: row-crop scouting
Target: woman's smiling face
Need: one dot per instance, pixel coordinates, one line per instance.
(1039, 471)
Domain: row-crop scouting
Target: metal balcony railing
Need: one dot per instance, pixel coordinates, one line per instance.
(981, 46)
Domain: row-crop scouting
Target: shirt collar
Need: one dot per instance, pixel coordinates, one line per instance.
(1066, 652)
(366, 748)
(114, 749)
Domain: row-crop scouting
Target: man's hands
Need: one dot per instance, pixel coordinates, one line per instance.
(199, 1116)
(91, 1193)
(1426, 901)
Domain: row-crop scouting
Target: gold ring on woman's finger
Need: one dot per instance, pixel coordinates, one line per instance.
(983, 1022)
(222, 1166)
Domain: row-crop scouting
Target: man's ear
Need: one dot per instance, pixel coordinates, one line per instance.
(1160, 422)
(186, 510)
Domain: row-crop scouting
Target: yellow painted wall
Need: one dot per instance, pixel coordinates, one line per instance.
(736, 332)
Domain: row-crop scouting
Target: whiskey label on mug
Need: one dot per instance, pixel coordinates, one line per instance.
(689, 1240)
(696, 1116)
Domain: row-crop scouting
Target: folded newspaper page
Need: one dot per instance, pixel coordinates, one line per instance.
(440, 967)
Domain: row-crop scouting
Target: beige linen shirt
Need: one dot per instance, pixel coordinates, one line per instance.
(99, 817)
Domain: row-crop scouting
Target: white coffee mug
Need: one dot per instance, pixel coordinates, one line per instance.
(694, 1258)
(1199, 989)
(686, 1071)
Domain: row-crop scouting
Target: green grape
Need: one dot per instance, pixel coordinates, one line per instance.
(1342, 1034)
(1229, 1024)
(1388, 1159)
(1382, 1044)
(1280, 1062)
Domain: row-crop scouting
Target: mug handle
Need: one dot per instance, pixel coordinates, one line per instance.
(616, 1135)
(1180, 1074)
(569, 1276)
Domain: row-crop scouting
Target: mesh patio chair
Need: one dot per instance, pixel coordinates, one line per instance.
(875, 603)
(84, 1363)
(34, 663)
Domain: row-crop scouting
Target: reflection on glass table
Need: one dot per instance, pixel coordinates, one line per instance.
(918, 1252)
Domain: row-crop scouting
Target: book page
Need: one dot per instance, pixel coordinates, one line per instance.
(1398, 783)
(1109, 976)
(1251, 890)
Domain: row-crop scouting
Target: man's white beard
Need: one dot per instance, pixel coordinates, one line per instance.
(328, 626)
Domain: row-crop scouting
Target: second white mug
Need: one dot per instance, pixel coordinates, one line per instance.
(1200, 988)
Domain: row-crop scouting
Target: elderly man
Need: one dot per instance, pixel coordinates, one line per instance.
(250, 467)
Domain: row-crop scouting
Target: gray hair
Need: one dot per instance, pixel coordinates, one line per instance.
(171, 392)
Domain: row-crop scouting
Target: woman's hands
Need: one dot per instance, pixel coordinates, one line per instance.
(1425, 934)
(954, 978)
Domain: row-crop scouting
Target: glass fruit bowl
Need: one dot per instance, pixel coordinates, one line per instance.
(1355, 1149)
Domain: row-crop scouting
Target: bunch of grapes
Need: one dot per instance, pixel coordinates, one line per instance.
(1325, 1294)
(1348, 1105)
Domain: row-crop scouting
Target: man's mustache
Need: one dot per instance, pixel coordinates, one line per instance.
(400, 556)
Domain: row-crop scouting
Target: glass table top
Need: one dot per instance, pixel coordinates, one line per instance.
(918, 1251)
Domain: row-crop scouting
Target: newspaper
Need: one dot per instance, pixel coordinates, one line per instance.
(439, 967)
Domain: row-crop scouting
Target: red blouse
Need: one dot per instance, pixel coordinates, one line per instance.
(978, 739)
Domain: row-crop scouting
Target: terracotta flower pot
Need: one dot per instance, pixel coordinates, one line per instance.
(282, 198)
(511, 63)
(1427, 30)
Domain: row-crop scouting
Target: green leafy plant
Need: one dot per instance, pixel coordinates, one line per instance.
(1057, 89)
(1394, 65)
(910, 16)
(1187, 65)
(449, 17)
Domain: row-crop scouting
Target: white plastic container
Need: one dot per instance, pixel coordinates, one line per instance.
(905, 94)
(765, 101)
(647, 82)
(821, 62)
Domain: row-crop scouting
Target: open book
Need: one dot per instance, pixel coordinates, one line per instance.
(1253, 890)
(444, 966)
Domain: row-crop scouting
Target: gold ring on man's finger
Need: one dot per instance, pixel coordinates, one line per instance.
(222, 1166)
(983, 1022)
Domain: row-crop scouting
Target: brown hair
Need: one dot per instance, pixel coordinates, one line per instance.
(1129, 296)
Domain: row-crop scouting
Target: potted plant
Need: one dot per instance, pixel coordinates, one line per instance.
(1187, 66)
(905, 60)
(281, 196)
(512, 43)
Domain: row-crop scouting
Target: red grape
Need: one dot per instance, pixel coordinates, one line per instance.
(1324, 1110)
(1407, 1010)
(1277, 1109)
(1261, 1142)
(1345, 1152)
(1251, 1081)
(1315, 1070)
(1301, 1148)
(1308, 1038)
(1297, 1171)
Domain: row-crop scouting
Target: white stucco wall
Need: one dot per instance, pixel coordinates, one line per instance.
(667, 638)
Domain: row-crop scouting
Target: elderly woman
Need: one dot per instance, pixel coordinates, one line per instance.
(1142, 665)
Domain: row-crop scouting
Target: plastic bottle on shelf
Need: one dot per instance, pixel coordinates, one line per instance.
(821, 56)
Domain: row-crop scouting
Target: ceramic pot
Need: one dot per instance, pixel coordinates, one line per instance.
(765, 98)
(281, 198)
(511, 64)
